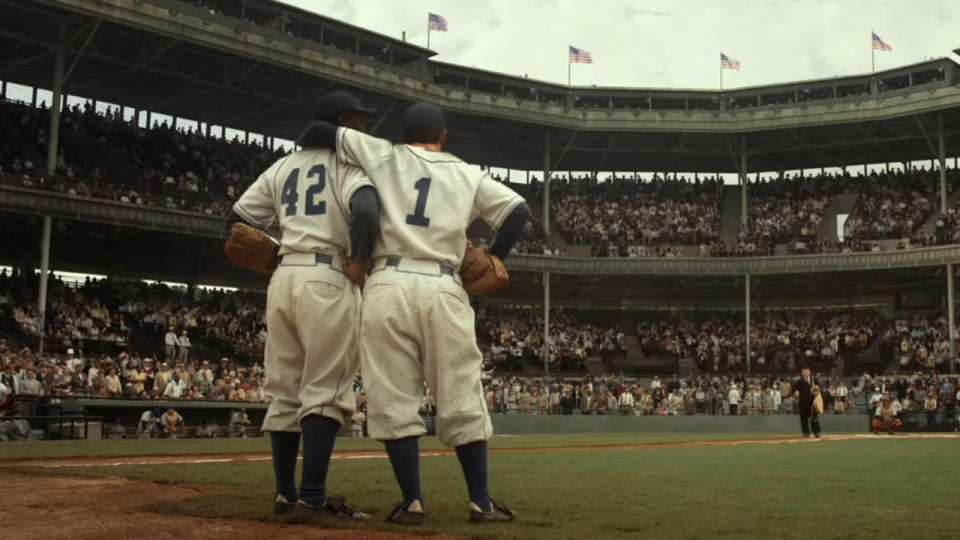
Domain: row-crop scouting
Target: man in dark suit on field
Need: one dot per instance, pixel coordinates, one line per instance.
(809, 419)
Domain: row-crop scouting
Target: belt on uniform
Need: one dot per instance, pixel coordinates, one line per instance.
(444, 269)
(308, 259)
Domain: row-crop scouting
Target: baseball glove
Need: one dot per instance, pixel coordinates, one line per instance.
(481, 272)
(252, 248)
(356, 272)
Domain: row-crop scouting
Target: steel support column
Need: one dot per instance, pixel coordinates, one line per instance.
(747, 306)
(546, 185)
(942, 158)
(951, 315)
(743, 181)
(44, 270)
(55, 106)
(53, 141)
(546, 323)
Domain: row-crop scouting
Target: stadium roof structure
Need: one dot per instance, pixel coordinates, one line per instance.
(246, 71)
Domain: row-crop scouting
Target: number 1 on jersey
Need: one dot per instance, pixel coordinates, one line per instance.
(417, 217)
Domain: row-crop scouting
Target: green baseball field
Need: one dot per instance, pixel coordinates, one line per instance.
(561, 486)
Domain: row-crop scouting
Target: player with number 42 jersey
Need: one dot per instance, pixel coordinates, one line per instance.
(323, 208)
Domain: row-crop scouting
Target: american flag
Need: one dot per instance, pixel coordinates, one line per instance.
(728, 63)
(436, 22)
(879, 43)
(579, 56)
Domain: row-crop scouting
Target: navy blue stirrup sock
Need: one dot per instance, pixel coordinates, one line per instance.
(405, 460)
(473, 460)
(285, 446)
(319, 435)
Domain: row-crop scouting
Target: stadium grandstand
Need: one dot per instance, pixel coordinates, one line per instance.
(690, 233)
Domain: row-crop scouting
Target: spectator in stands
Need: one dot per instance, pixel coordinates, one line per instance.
(170, 343)
(30, 386)
(176, 388)
(733, 399)
(162, 379)
(114, 386)
(183, 347)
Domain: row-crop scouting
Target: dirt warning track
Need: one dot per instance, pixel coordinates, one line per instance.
(185, 459)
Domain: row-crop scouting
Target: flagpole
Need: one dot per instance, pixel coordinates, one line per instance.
(569, 64)
(428, 31)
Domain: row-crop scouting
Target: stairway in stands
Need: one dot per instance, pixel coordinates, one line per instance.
(931, 223)
(730, 215)
(839, 205)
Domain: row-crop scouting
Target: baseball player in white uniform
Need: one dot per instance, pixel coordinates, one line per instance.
(417, 324)
(323, 208)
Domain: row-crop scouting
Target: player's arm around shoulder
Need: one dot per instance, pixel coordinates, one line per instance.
(352, 146)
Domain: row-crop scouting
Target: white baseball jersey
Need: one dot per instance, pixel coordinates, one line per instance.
(427, 199)
(307, 193)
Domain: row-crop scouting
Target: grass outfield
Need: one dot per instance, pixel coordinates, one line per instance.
(861, 488)
(133, 447)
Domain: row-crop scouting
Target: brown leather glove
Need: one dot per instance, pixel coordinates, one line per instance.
(355, 271)
(252, 248)
(481, 272)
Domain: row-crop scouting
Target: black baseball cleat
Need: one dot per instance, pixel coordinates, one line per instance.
(411, 515)
(334, 507)
(500, 512)
(282, 506)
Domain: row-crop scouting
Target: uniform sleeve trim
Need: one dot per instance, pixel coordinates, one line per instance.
(248, 217)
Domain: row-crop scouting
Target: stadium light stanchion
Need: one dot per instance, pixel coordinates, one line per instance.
(950, 313)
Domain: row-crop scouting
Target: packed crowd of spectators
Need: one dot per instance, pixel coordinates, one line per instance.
(512, 338)
(621, 216)
(932, 397)
(919, 343)
(893, 205)
(789, 208)
(781, 340)
(106, 156)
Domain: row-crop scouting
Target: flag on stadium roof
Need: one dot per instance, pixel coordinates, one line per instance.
(879, 43)
(728, 63)
(579, 56)
(436, 22)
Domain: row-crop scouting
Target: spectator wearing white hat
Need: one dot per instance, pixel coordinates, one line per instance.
(183, 347)
(733, 399)
(170, 343)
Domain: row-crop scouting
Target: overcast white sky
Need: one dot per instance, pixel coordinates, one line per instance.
(660, 43)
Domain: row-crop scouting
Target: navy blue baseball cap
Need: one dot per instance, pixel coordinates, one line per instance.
(422, 120)
(328, 106)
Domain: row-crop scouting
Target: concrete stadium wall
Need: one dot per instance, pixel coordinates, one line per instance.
(524, 424)
(195, 412)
